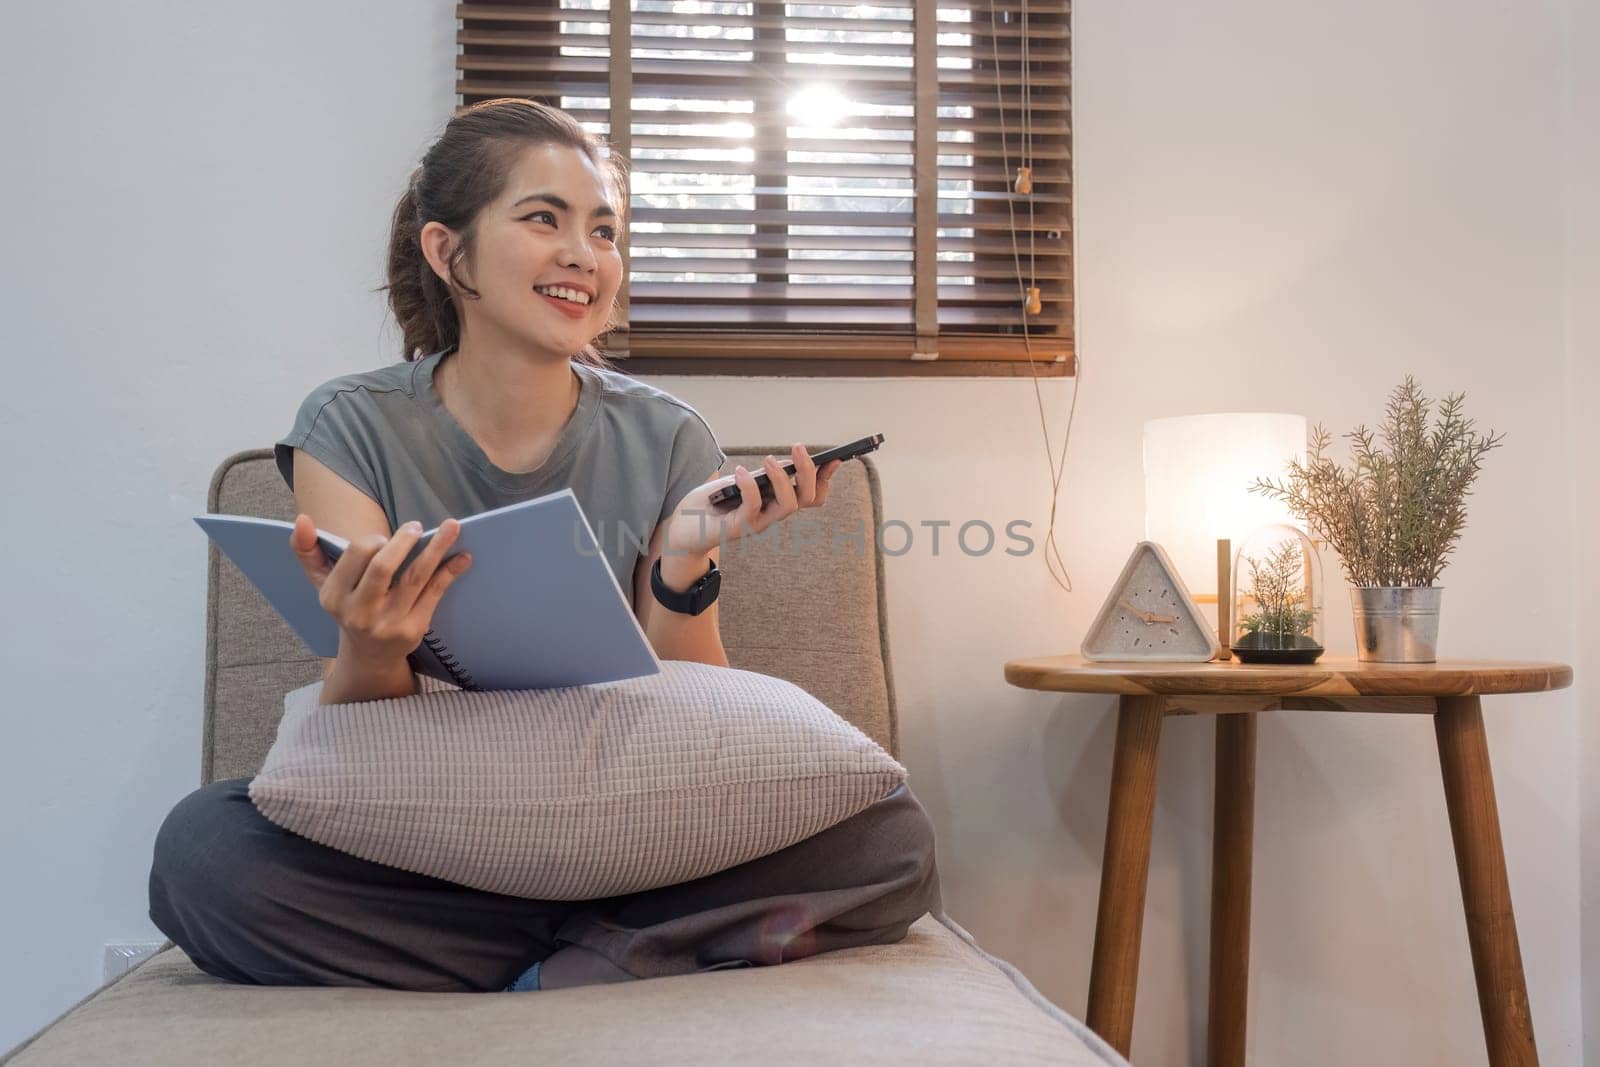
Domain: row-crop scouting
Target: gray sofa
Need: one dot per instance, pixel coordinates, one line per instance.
(815, 618)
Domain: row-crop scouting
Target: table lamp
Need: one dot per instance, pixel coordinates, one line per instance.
(1198, 470)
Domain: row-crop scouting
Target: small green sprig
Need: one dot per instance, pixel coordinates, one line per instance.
(1396, 515)
(1275, 587)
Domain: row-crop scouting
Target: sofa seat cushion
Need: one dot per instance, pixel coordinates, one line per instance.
(934, 998)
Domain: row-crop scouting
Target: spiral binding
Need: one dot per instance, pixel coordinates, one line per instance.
(459, 674)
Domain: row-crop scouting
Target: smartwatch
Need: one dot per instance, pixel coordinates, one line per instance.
(693, 600)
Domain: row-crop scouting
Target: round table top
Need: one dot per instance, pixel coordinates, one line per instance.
(1342, 676)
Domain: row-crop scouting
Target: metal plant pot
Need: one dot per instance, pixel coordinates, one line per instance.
(1397, 624)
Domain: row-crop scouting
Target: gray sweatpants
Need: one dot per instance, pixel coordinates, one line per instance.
(252, 902)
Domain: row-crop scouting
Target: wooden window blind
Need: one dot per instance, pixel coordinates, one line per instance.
(817, 188)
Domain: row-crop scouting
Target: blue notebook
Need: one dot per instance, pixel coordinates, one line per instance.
(539, 607)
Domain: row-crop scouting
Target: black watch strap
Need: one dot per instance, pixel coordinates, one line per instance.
(693, 600)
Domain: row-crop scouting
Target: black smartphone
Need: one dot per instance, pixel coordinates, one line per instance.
(729, 495)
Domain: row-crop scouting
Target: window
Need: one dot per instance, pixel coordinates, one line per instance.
(818, 188)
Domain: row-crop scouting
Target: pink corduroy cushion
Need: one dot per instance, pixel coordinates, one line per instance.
(573, 793)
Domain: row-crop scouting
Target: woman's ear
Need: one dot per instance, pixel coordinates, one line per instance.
(439, 243)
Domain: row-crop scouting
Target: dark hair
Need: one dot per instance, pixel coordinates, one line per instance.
(465, 169)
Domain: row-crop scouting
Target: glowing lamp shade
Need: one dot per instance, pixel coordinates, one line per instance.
(1198, 470)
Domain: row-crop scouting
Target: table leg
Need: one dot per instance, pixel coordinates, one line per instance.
(1231, 839)
(1114, 974)
(1485, 892)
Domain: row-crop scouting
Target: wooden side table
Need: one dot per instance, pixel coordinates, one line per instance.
(1236, 692)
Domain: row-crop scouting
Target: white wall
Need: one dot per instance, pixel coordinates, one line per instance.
(1583, 367)
(196, 196)
(1281, 207)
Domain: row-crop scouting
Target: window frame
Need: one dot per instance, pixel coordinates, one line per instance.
(926, 348)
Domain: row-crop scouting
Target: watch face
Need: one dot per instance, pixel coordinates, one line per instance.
(705, 590)
(693, 600)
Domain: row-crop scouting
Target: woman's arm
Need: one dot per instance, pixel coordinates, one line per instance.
(339, 507)
(672, 634)
(345, 680)
(697, 533)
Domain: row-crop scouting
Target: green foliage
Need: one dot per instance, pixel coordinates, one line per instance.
(1396, 515)
(1276, 588)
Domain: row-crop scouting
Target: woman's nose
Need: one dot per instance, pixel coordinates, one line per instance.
(578, 254)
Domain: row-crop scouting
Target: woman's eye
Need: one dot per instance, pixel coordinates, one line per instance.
(610, 232)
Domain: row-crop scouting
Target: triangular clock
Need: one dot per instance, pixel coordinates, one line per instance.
(1150, 615)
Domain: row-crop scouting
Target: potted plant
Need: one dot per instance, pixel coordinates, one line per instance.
(1393, 517)
(1280, 608)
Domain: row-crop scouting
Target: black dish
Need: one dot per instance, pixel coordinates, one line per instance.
(1277, 655)
(1265, 648)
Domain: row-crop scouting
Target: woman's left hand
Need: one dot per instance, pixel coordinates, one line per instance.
(696, 527)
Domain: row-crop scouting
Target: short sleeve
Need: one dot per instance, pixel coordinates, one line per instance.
(325, 428)
(695, 457)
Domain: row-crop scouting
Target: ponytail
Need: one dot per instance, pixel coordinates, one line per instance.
(419, 299)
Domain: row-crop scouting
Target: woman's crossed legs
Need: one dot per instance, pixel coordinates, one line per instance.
(252, 902)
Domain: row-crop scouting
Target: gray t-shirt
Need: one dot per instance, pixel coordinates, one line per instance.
(629, 453)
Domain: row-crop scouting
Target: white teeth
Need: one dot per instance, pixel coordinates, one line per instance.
(564, 293)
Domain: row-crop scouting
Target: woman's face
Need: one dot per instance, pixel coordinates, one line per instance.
(552, 226)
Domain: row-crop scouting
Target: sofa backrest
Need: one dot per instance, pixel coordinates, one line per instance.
(808, 609)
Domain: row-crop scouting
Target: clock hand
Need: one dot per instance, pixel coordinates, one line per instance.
(1144, 616)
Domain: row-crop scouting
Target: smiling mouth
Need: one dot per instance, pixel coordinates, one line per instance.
(567, 307)
(544, 291)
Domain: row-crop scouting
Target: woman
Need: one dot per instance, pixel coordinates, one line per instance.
(503, 263)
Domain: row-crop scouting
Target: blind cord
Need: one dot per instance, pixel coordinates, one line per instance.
(1052, 557)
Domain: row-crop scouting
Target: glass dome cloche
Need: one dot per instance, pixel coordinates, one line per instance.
(1276, 603)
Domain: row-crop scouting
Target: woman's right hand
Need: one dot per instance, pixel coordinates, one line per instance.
(380, 622)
